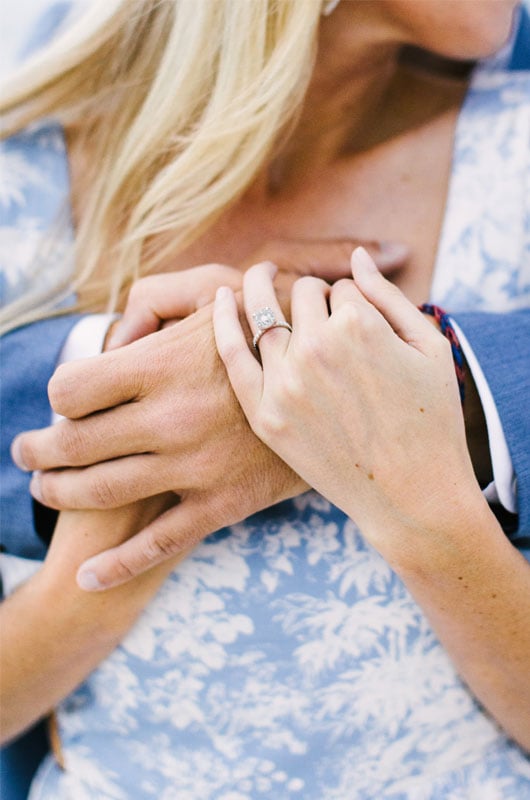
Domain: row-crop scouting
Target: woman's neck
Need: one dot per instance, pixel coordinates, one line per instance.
(359, 96)
(355, 65)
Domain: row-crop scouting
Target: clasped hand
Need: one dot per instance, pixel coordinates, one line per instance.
(159, 414)
(358, 405)
(355, 403)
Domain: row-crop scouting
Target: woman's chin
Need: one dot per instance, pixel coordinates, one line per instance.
(491, 40)
(464, 29)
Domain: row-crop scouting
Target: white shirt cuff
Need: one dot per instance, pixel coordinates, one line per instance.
(503, 488)
(85, 339)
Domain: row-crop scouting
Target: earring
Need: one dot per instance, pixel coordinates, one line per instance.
(329, 7)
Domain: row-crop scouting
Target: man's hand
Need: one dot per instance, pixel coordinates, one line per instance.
(159, 415)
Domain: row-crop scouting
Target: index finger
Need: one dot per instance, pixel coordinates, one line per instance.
(78, 443)
(81, 387)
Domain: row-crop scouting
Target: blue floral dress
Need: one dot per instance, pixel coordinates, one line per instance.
(284, 659)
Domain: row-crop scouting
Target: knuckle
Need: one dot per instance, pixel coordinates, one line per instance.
(271, 424)
(141, 288)
(292, 389)
(102, 493)
(310, 348)
(134, 292)
(122, 571)
(161, 545)
(368, 324)
(61, 390)
(348, 320)
(190, 538)
(70, 442)
(145, 373)
(50, 489)
(144, 293)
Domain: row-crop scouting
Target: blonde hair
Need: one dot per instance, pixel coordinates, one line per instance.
(182, 101)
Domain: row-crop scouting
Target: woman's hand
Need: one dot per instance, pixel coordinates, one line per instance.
(360, 399)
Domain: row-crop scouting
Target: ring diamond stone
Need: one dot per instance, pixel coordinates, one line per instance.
(264, 318)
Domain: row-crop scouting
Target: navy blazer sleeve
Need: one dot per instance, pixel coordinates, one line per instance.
(501, 343)
(29, 356)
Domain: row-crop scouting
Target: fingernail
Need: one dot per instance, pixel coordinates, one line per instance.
(363, 260)
(223, 293)
(88, 580)
(16, 454)
(35, 486)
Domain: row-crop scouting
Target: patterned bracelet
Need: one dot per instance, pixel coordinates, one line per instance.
(442, 318)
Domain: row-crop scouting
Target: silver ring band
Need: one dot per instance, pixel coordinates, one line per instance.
(261, 331)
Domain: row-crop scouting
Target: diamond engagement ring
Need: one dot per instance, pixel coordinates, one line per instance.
(266, 320)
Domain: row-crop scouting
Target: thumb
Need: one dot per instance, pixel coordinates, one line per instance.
(172, 534)
(169, 296)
